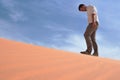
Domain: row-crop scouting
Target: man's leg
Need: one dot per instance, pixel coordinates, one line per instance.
(95, 47)
(93, 38)
(87, 36)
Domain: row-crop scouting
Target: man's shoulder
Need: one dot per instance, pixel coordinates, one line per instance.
(90, 6)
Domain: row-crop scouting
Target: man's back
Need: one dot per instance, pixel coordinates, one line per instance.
(92, 10)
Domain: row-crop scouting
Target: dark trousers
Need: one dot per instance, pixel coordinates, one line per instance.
(90, 37)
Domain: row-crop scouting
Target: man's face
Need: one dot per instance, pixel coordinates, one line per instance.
(83, 8)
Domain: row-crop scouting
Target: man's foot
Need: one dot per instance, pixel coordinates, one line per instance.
(85, 52)
(95, 54)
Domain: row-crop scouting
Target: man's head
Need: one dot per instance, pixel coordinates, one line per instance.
(82, 7)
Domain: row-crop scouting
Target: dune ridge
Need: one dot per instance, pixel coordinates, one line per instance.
(20, 61)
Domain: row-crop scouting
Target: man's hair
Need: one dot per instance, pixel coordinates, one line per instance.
(81, 5)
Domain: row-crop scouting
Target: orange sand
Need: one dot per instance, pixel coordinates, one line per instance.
(20, 61)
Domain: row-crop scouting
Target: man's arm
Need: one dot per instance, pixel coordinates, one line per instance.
(93, 20)
(93, 15)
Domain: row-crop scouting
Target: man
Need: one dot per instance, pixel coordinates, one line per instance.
(90, 33)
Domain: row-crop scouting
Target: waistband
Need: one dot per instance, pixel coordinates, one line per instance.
(95, 22)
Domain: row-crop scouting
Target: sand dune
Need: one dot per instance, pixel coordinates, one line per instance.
(20, 61)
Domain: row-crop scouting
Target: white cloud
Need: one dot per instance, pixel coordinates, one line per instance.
(109, 51)
(10, 31)
(15, 13)
(17, 16)
(76, 43)
(73, 42)
(57, 27)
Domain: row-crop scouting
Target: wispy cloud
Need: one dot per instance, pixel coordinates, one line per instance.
(17, 16)
(71, 42)
(76, 43)
(57, 27)
(14, 12)
(11, 31)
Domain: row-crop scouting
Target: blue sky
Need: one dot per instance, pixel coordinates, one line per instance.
(59, 24)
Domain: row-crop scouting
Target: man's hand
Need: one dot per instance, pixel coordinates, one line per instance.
(94, 24)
